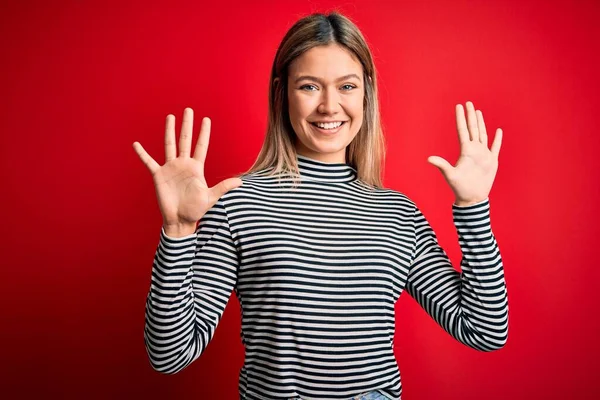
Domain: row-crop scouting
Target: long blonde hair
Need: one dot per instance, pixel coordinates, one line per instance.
(366, 152)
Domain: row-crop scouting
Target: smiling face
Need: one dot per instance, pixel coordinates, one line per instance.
(325, 85)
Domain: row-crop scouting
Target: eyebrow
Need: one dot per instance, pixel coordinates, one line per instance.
(314, 78)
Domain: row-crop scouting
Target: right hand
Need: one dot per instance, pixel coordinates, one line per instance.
(182, 192)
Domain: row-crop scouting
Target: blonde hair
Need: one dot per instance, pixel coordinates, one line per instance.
(366, 152)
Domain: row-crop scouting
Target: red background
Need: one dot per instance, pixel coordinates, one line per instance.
(82, 80)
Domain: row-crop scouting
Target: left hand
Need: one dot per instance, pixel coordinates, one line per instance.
(472, 177)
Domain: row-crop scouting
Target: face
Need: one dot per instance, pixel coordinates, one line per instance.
(325, 86)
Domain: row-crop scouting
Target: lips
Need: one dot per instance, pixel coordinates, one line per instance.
(326, 122)
(328, 131)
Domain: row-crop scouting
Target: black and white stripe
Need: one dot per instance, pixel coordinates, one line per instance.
(317, 270)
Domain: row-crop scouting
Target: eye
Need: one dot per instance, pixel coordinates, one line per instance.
(348, 86)
(306, 86)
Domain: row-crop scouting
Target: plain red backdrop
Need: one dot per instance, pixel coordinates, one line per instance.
(82, 80)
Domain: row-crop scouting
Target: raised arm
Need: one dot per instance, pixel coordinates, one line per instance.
(195, 265)
(470, 305)
(192, 280)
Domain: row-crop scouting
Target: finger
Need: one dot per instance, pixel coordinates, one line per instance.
(202, 143)
(461, 125)
(483, 138)
(170, 150)
(472, 122)
(444, 166)
(145, 157)
(185, 138)
(217, 191)
(497, 142)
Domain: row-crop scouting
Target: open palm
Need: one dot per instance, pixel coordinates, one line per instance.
(181, 189)
(472, 177)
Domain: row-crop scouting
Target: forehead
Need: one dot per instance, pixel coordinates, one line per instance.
(328, 62)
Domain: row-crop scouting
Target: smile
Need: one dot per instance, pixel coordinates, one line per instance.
(329, 127)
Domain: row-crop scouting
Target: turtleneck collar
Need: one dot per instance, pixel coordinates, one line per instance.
(315, 170)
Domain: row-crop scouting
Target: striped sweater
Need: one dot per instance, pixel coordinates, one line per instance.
(317, 270)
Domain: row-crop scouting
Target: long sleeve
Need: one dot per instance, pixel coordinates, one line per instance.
(470, 305)
(192, 280)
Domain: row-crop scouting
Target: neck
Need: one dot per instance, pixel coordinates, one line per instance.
(338, 157)
(332, 172)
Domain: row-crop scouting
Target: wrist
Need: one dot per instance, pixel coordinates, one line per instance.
(467, 203)
(179, 230)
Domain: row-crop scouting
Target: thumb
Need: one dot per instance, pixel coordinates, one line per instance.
(217, 191)
(439, 162)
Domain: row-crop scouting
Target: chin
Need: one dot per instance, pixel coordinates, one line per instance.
(326, 146)
(333, 151)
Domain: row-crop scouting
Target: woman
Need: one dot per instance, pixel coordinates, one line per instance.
(317, 251)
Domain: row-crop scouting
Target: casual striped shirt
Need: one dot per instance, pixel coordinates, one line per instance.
(317, 270)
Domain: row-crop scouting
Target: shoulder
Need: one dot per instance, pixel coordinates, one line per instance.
(388, 195)
(258, 176)
(252, 183)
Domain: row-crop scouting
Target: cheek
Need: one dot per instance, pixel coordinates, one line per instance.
(354, 107)
(291, 106)
(357, 110)
(296, 115)
(357, 116)
(358, 106)
(296, 108)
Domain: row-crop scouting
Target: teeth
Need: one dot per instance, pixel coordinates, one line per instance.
(329, 125)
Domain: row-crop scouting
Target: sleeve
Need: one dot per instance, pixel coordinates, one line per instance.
(471, 305)
(192, 280)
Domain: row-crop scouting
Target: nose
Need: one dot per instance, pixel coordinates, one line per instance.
(330, 102)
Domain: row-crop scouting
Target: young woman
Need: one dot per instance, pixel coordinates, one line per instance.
(316, 250)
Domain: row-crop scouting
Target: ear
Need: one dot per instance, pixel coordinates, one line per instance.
(276, 81)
